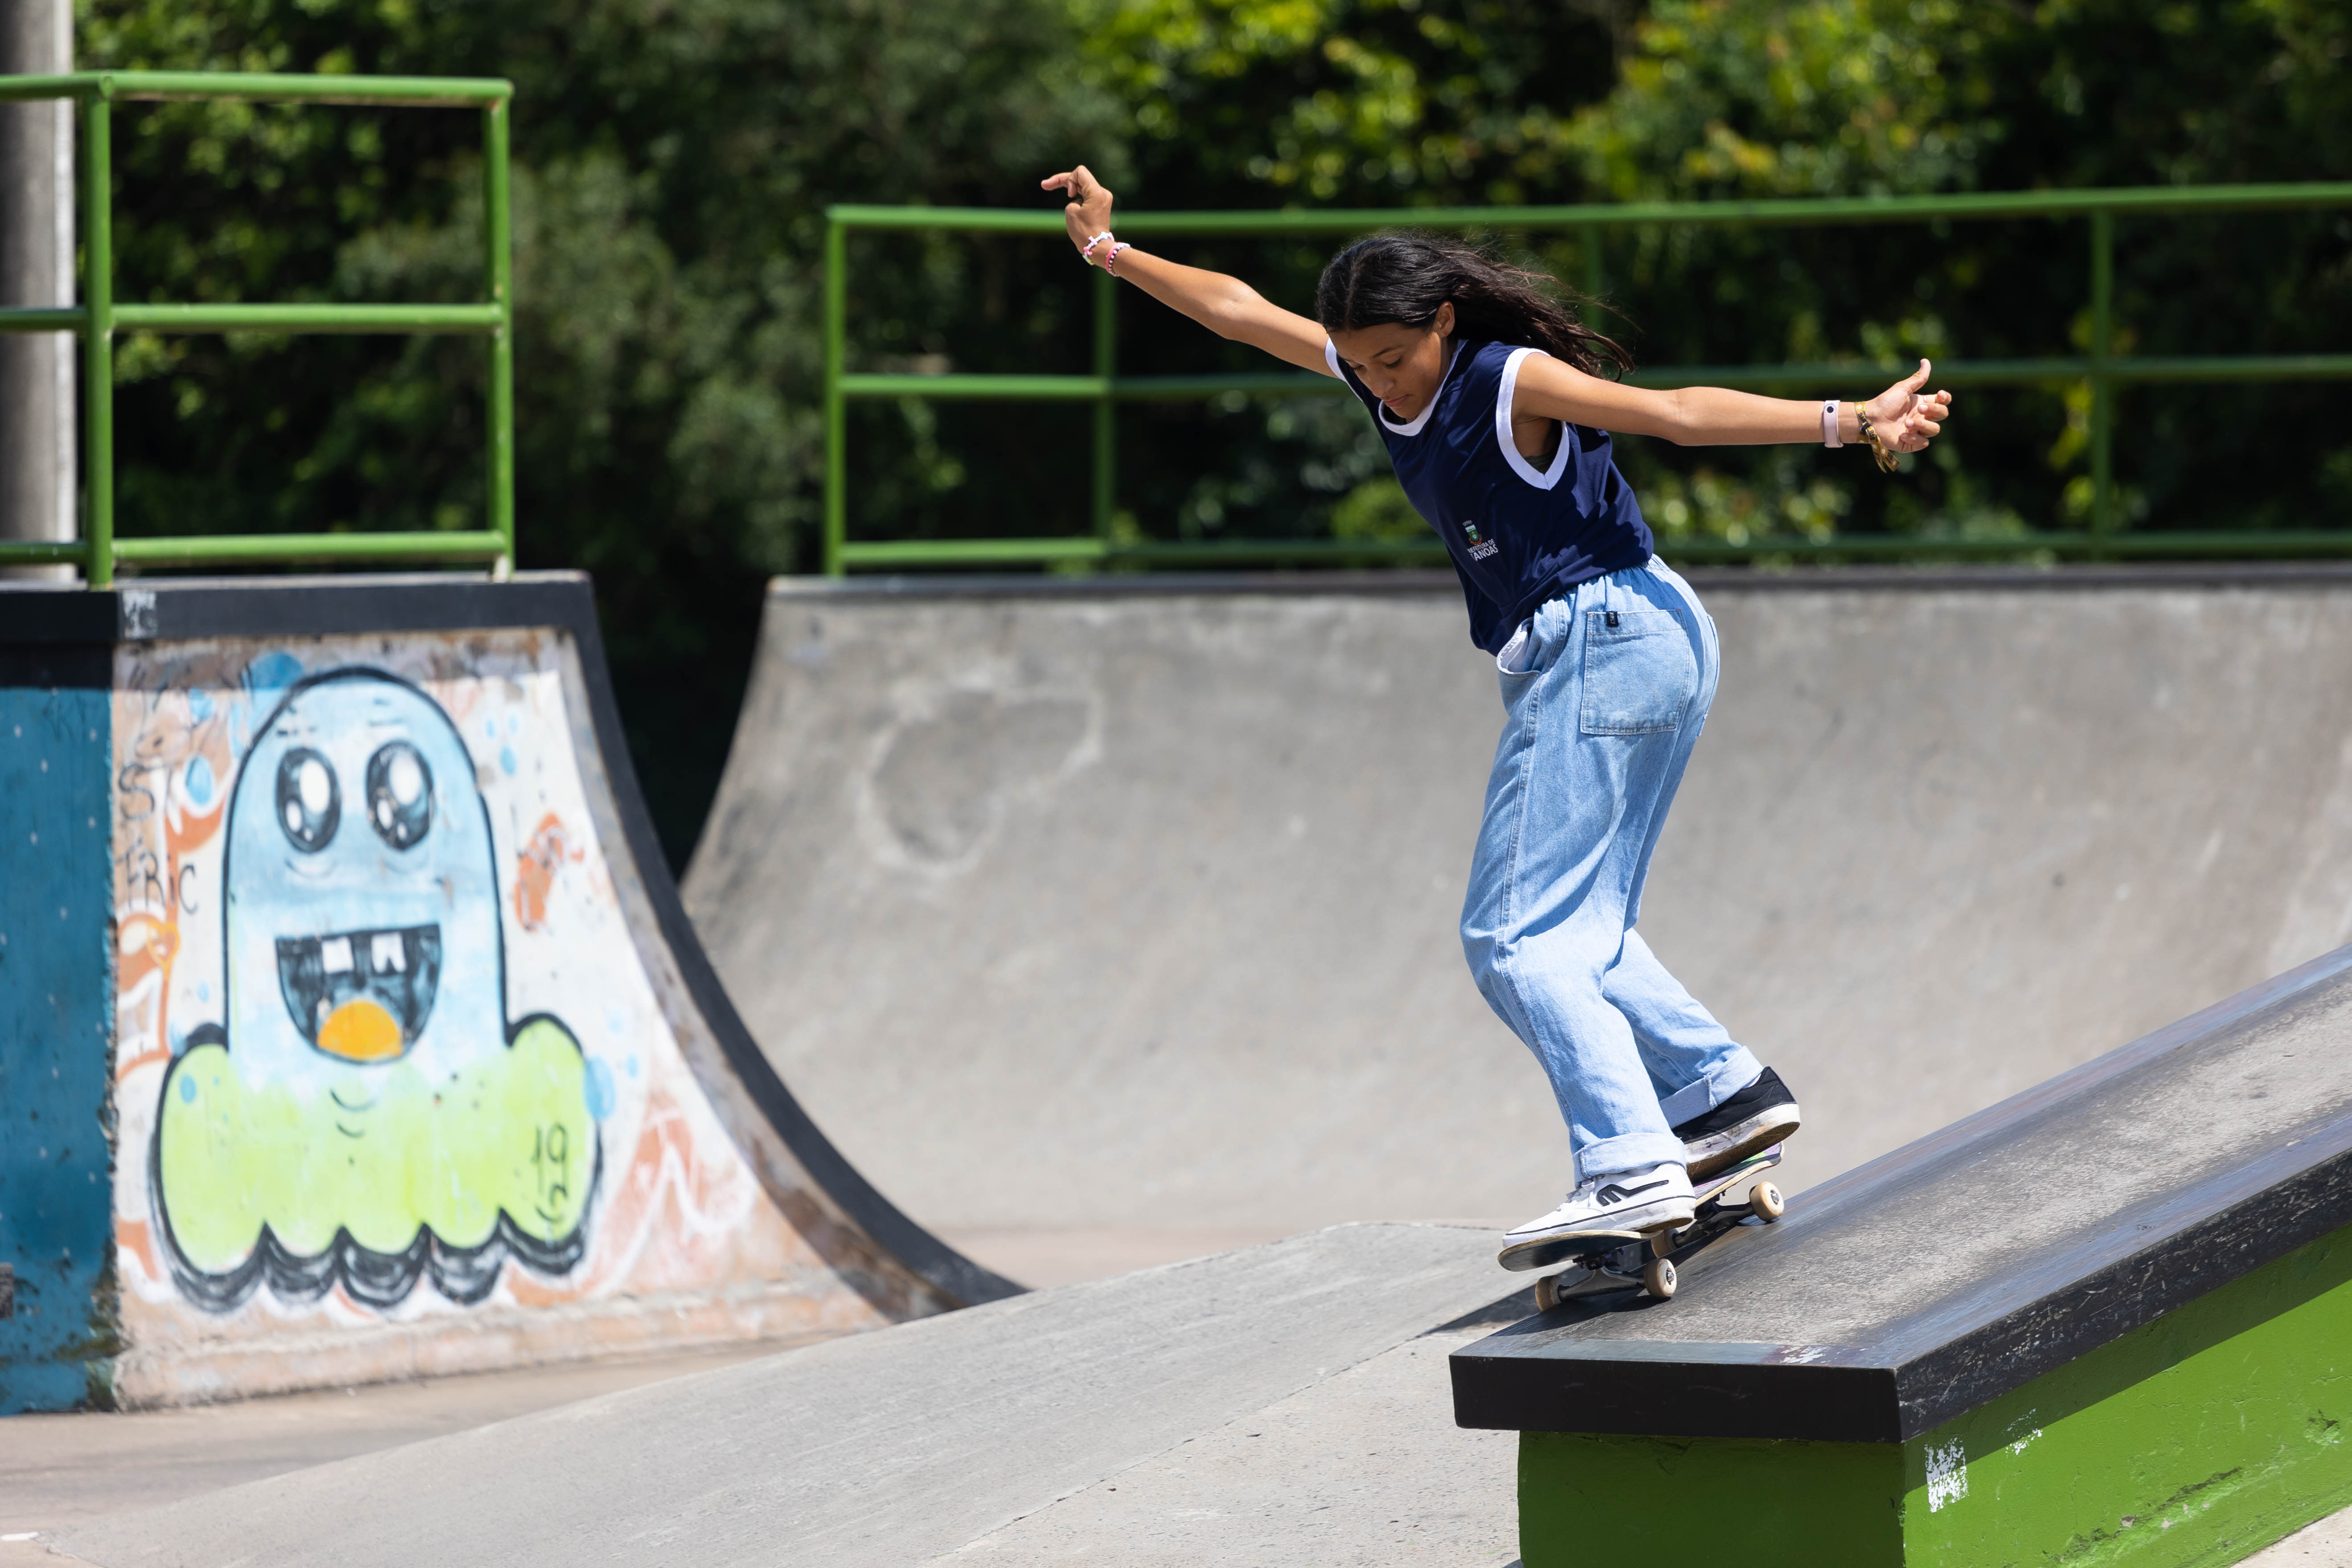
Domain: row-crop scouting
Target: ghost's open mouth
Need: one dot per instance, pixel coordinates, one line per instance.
(363, 995)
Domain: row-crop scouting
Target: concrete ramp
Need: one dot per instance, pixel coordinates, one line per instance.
(962, 1438)
(349, 1025)
(1131, 904)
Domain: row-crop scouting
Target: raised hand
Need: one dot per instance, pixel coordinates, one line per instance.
(1087, 212)
(1904, 417)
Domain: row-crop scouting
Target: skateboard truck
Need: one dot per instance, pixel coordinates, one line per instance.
(1649, 1261)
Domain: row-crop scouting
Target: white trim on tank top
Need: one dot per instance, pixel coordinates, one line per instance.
(1380, 410)
(1549, 477)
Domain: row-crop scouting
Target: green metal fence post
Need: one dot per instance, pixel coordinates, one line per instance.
(1596, 277)
(2102, 391)
(837, 410)
(97, 334)
(1106, 474)
(497, 260)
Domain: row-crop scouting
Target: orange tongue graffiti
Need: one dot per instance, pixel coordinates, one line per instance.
(361, 1031)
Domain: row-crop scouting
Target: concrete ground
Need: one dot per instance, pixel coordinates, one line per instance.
(2327, 1545)
(1361, 1465)
(1041, 1257)
(61, 1470)
(1286, 1404)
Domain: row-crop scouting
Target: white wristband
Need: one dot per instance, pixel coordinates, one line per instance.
(1829, 423)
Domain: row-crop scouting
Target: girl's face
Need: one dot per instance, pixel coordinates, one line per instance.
(1402, 365)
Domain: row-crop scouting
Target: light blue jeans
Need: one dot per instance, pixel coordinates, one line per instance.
(1605, 694)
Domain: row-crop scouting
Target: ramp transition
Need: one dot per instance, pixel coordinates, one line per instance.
(349, 1025)
(1132, 903)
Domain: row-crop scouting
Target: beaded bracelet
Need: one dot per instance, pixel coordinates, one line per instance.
(1088, 250)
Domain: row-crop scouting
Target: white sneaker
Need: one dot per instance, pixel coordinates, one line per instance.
(1625, 1204)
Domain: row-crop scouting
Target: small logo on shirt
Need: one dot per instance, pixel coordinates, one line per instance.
(1470, 531)
(1478, 551)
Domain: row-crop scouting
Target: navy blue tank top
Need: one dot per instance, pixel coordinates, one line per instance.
(1518, 534)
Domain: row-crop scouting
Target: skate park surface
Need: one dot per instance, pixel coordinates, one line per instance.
(1119, 1410)
(1165, 855)
(1182, 863)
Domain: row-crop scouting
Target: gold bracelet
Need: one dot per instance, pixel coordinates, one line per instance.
(1878, 447)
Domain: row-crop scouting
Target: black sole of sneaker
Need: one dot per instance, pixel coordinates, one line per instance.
(1721, 1150)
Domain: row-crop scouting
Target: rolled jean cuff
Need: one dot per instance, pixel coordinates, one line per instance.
(1632, 1152)
(1725, 1079)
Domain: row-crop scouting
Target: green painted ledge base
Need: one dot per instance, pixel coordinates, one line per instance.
(2199, 1439)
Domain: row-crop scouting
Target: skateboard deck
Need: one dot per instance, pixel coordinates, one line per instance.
(1612, 1260)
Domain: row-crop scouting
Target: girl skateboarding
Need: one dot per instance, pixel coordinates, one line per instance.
(1496, 407)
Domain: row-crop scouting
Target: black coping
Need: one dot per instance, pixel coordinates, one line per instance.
(1416, 581)
(36, 617)
(1943, 1275)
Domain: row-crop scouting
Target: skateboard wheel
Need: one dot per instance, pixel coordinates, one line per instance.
(1661, 1243)
(1658, 1278)
(1547, 1292)
(1766, 1200)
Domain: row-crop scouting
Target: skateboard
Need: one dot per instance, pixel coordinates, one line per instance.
(1611, 1260)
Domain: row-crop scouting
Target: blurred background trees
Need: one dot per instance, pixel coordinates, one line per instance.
(674, 158)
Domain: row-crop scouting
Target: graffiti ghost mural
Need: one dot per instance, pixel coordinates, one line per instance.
(365, 1115)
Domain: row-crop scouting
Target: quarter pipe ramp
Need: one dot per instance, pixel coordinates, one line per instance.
(1131, 904)
(350, 1026)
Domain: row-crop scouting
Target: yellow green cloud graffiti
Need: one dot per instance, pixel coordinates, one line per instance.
(500, 1155)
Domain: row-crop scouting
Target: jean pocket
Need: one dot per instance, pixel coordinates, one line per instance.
(1639, 674)
(1516, 660)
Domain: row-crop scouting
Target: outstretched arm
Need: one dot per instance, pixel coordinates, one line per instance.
(1717, 416)
(1226, 305)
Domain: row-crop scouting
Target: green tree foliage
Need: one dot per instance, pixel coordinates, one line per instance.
(1390, 102)
(673, 160)
(1741, 98)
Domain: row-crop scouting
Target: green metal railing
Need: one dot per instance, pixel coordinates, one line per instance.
(2102, 368)
(98, 318)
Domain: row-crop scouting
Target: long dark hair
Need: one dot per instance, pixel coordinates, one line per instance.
(1404, 278)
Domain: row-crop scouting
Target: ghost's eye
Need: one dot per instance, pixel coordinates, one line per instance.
(400, 794)
(309, 802)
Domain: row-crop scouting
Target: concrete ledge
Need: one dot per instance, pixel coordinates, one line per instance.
(2199, 1439)
(1955, 1271)
(2102, 1322)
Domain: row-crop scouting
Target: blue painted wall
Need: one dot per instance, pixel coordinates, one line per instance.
(56, 987)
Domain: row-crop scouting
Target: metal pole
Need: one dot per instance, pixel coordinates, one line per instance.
(498, 265)
(1596, 276)
(36, 256)
(1106, 473)
(2103, 392)
(836, 409)
(98, 335)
